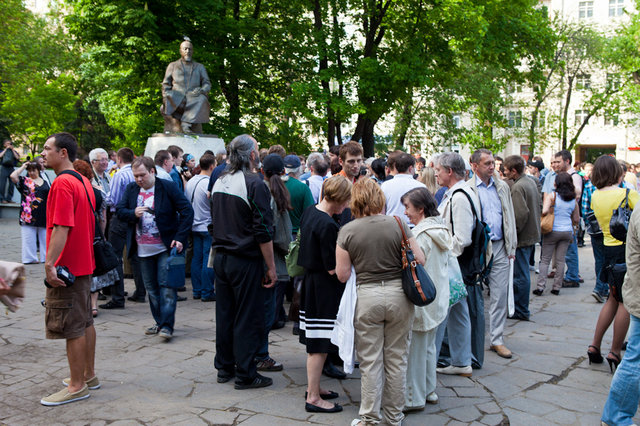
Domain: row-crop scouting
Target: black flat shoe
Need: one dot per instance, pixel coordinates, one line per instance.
(258, 382)
(310, 408)
(330, 395)
(595, 357)
(555, 292)
(613, 362)
(537, 292)
(332, 371)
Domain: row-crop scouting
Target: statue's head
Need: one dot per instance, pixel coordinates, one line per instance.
(186, 50)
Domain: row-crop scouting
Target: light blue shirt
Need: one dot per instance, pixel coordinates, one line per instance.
(549, 184)
(121, 179)
(562, 212)
(491, 207)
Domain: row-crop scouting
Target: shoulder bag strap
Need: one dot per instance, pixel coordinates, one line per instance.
(405, 244)
(95, 214)
(473, 209)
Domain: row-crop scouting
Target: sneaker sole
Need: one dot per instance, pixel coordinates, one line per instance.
(54, 404)
(598, 298)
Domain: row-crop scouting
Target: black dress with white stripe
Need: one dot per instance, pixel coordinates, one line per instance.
(321, 291)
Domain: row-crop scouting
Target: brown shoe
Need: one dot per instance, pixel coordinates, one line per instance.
(501, 350)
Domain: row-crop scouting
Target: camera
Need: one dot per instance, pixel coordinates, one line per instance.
(63, 273)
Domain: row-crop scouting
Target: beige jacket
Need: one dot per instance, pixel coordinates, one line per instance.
(435, 241)
(631, 286)
(508, 218)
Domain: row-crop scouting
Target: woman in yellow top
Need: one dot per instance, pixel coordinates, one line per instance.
(607, 176)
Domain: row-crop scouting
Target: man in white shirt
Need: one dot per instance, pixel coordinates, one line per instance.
(401, 167)
(201, 275)
(164, 164)
(318, 166)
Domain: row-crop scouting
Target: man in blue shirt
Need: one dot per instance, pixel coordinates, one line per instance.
(497, 212)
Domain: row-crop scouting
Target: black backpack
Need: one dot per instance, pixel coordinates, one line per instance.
(473, 260)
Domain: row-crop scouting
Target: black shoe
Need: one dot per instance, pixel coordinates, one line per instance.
(268, 364)
(595, 356)
(225, 376)
(136, 299)
(296, 330)
(277, 325)
(196, 297)
(475, 365)
(183, 288)
(102, 296)
(111, 305)
(570, 284)
(613, 361)
(555, 292)
(332, 371)
(330, 395)
(519, 317)
(310, 408)
(180, 298)
(258, 382)
(537, 292)
(209, 299)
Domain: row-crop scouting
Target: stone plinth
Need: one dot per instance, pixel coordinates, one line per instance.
(191, 144)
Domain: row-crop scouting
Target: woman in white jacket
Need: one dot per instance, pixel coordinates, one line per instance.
(435, 241)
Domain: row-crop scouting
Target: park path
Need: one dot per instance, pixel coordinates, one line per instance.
(146, 381)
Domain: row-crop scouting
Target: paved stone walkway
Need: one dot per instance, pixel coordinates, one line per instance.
(146, 381)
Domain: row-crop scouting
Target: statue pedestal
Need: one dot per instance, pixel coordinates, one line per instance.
(193, 144)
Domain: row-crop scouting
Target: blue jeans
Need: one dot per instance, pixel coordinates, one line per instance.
(597, 245)
(162, 299)
(269, 317)
(624, 393)
(202, 277)
(522, 280)
(458, 327)
(571, 259)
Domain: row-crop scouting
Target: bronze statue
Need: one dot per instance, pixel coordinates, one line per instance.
(184, 93)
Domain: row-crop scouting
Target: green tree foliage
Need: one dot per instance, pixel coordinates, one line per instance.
(36, 88)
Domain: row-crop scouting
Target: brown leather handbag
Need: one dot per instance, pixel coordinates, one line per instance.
(546, 221)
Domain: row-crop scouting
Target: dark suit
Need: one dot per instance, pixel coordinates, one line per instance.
(174, 215)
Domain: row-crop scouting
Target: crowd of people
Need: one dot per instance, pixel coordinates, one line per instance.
(233, 216)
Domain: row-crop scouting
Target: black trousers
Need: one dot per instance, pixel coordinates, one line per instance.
(239, 314)
(118, 239)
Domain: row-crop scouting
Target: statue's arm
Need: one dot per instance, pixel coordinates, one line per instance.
(205, 83)
(167, 82)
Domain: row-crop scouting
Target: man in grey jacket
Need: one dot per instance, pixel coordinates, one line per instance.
(497, 212)
(526, 209)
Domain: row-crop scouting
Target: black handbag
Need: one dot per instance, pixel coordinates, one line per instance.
(416, 283)
(619, 222)
(105, 256)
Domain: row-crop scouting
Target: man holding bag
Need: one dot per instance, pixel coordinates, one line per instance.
(159, 218)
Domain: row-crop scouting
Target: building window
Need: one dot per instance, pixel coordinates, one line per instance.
(616, 8)
(611, 120)
(585, 9)
(583, 82)
(581, 117)
(515, 87)
(613, 81)
(456, 121)
(541, 119)
(515, 119)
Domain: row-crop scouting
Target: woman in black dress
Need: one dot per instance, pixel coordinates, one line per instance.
(321, 289)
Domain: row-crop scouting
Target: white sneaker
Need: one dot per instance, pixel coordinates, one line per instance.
(432, 398)
(459, 371)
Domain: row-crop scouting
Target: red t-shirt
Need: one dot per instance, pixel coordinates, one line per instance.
(67, 205)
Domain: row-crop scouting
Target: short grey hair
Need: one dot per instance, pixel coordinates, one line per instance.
(93, 154)
(313, 159)
(477, 155)
(240, 149)
(452, 161)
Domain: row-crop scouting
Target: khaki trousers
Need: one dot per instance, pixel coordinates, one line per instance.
(383, 319)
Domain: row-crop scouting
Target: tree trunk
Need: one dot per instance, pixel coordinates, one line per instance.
(565, 112)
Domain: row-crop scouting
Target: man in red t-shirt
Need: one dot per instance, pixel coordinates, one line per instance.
(70, 232)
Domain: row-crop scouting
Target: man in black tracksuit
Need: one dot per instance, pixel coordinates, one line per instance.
(242, 241)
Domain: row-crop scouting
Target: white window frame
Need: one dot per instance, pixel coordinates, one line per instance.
(616, 8)
(583, 82)
(580, 117)
(514, 118)
(585, 9)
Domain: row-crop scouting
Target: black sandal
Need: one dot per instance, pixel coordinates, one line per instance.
(613, 363)
(595, 357)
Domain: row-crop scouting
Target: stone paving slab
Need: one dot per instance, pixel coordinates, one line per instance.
(148, 382)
